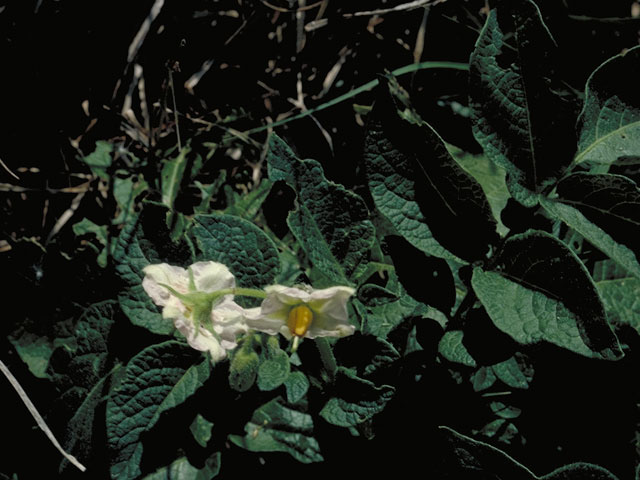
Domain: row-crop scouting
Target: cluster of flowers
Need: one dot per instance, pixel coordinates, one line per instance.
(200, 301)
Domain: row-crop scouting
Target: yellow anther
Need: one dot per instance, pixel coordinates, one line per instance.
(300, 319)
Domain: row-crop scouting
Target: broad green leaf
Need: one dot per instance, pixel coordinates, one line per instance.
(356, 400)
(539, 290)
(425, 278)
(181, 469)
(248, 252)
(367, 355)
(579, 471)
(469, 458)
(482, 379)
(156, 380)
(418, 186)
(297, 385)
(100, 159)
(492, 179)
(171, 177)
(521, 123)
(330, 222)
(609, 124)
(505, 411)
(605, 209)
(143, 242)
(274, 366)
(82, 372)
(607, 269)
(509, 373)
(275, 427)
(34, 350)
(208, 191)
(248, 204)
(126, 192)
(201, 429)
(383, 309)
(87, 227)
(452, 348)
(621, 298)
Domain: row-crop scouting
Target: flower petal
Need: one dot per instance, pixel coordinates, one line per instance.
(154, 275)
(212, 276)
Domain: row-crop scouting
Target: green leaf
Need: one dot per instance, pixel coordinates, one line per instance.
(82, 372)
(208, 191)
(540, 291)
(126, 192)
(621, 298)
(383, 309)
(248, 252)
(156, 380)
(605, 209)
(171, 177)
(483, 379)
(181, 469)
(452, 348)
(469, 458)
(416, 184)
(510, 374)
(274, 367)
(331, 223)
(492, 179)
(579, 471)
(248, 204)
(609, 124)
(86, 227)
(34, 350)
(100, 159)
(297, 385)
(143, 242)
(357, 400)
(201, 430)
(521, 123)
(275, 427)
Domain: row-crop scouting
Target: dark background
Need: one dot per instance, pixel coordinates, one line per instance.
(57, 54)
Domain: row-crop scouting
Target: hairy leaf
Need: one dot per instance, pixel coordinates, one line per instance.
(539, 290)
(248, 204)
(452, 348)
(181, 469)
(385, 308)
(356, 401)
(609, 124)
(156, 380)
(143, 242)
(275, 427)
(171, 177)
(100, 159)
(331, 223)
(245, 249)
(621, 298)
(521, 123)
(418, 186)
(605, 209)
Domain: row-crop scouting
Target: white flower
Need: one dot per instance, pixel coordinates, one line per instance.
(295, 312)
(208, 323)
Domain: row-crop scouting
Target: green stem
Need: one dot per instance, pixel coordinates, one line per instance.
(363, 88)
(327, 357)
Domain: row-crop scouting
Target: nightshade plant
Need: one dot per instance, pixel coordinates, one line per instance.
(318, 349)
